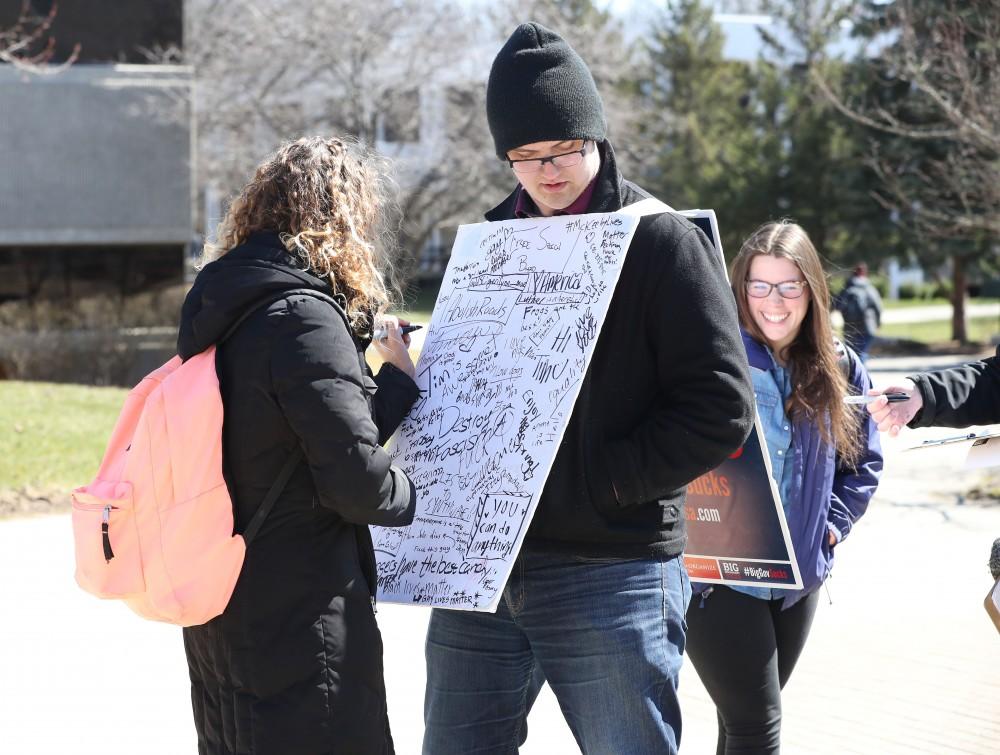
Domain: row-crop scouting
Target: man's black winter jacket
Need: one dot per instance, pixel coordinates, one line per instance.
(667, 396)
(961, 396)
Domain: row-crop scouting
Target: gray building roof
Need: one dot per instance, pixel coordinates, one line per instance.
(96, 155)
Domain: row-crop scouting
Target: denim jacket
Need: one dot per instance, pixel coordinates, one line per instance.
(772, 388)
(821, 494)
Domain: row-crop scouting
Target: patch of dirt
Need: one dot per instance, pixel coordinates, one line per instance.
(30, 501)
(987, 489)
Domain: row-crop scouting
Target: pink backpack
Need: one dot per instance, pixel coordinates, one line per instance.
(155, 527)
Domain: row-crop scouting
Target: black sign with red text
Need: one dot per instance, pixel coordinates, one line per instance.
(737, 532)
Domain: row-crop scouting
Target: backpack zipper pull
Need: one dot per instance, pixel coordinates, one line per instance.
(105, 538)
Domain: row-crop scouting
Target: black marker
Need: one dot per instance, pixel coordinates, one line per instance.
(380, 333)
(892, 398)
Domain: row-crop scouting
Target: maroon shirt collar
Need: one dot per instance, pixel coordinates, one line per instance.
(524, 206)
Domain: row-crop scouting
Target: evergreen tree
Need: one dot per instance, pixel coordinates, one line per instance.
(756, 142)
(827, 184)
(932, 103)
(703, 148)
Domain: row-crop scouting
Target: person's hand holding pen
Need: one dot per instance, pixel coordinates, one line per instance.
(891, 417)
(392, 343)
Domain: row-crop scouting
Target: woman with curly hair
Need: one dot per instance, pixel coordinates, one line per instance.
(290, 294)
(826, 461)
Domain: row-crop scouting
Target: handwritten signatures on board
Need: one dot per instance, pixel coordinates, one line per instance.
(515, 324)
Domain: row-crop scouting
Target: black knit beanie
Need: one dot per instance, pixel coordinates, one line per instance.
(541, 90)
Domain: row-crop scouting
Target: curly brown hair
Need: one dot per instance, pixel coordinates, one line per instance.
(329, 199)
(818, 380)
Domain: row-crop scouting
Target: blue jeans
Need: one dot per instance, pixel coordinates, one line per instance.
(607, 635)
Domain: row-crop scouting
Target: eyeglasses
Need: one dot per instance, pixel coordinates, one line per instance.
(563, 160)
(786, 289)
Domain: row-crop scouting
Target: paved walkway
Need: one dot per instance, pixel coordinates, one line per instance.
(938, 312)
(904, 660)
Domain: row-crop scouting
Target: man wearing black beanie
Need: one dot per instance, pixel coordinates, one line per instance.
(595, 603)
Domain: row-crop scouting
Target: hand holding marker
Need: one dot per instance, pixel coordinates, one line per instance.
(395, 351)
(381, 333)
(892, 398)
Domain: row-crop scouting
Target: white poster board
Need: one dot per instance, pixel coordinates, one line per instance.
(513, 330)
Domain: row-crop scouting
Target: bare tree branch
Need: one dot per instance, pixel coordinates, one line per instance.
(950, 62)
(31, 29)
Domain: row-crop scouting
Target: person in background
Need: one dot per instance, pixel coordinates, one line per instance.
(861, 306)
(294, 664)
(826, 461)
(955, 397)
(596, 598)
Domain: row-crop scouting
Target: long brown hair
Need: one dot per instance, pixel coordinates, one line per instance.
(818, 381)
(329, 201)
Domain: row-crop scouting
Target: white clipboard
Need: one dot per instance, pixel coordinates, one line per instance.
(984, 447)
(951, 439)
(985, 452)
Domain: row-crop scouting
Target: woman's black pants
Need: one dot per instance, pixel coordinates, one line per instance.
(744, 650)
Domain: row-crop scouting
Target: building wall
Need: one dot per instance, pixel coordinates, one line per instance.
(103, 31)
(96, 154)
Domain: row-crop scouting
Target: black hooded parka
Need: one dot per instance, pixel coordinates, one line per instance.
(294, 664)
(960, 396)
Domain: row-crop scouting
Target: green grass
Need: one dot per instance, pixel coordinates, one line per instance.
(53, 436)
(981, 329)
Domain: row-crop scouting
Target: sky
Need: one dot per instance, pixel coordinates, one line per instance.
(742, 40)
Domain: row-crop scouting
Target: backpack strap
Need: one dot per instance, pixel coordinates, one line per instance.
(703, 219)
(269, 300)
(844, 359)
(272, 495)
(296, 456)
(647, 206)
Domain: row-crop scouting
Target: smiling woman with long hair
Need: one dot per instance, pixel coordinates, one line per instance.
(290, 293)
(826, 461)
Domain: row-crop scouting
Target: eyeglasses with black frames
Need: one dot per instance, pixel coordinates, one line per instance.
(562, 160)
(786, 289)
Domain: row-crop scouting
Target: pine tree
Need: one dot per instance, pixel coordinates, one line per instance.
(932, 105)
(702, 149)
(755, 141)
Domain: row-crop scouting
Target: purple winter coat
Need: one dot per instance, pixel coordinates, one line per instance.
(832, 493)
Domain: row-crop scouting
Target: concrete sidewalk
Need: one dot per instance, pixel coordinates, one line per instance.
(904, 660)
(938, 312)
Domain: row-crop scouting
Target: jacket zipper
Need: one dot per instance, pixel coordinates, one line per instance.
(371, 410)
(364, 372)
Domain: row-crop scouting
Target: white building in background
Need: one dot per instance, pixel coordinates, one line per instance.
(901, 276)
